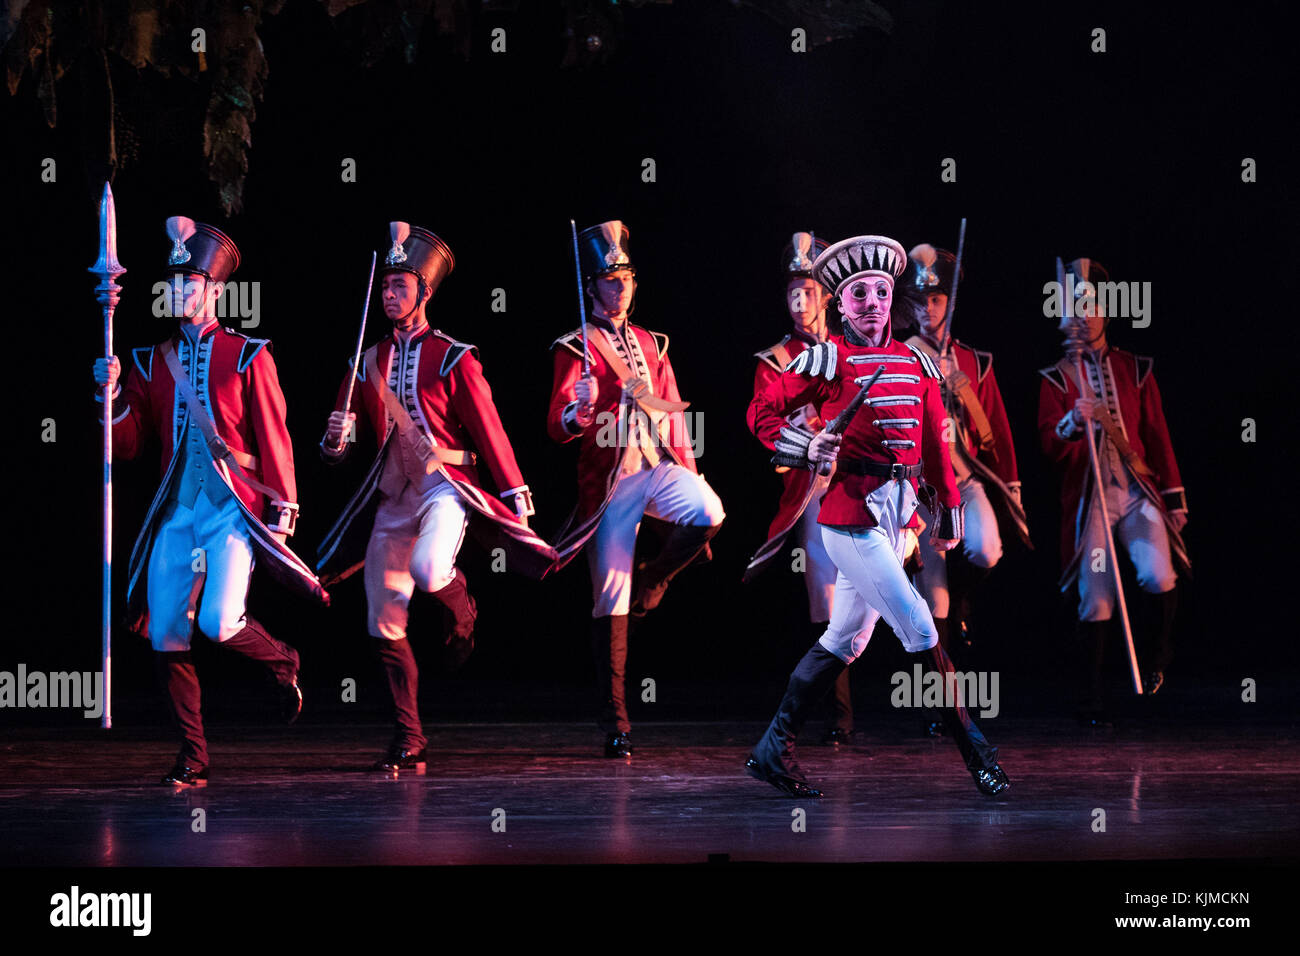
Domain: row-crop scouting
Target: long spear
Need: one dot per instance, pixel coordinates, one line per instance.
(1074, 346)
(107, 294)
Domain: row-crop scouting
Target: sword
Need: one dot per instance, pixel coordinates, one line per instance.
(1074, 344)
(361, 337)
(582, 302)
(952, 293)
(107, 294)
(841, 421)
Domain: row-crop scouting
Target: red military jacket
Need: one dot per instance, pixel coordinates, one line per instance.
(795, 481)
(239, 379)
(1135, 404)
(978, 367)
(441, 384)
(904, 410)
(600, 460)
(236, 376)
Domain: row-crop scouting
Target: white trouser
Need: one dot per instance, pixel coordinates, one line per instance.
(212, 539)
(819, 569)
(871, 582)
(668, 492)
(1140, 529)
(982, 546)
(414, 543)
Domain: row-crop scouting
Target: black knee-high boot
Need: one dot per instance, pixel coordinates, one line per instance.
(980, 756)
(773, 758)
(1088, 657)
(609, 650)
(651, 580)
(180, 683)
(838, 704)
(1158, 639)
(403, 677)
(280, 659)
(964, 583)
(839, 711)
(455, 597)
(932, 720)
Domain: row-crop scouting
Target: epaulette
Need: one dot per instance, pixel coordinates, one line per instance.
(1144, 365)
(1054, 375)
(248, 351)
(661, 343)
(768, 355)
(927, 363)
(821, 359)
(569, 341)
(143, 358)
(983, 364)
(455, 351)
(361, 372)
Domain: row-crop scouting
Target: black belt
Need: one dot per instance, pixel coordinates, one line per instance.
(877, 469)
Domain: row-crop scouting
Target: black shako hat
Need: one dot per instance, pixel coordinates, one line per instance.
(799, 253)
(200, 248)
(602, 249)
(419, 252)
(932, 269)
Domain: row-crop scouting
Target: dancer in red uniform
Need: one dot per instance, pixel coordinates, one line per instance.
(428, 410)
(635, 460)
(872, 498)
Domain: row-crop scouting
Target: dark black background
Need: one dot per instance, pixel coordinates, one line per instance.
(1132, 156)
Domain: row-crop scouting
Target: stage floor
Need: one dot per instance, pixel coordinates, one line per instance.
(302, 796)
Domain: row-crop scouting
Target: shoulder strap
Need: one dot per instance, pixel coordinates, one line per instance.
(402, 418)
(215, 444)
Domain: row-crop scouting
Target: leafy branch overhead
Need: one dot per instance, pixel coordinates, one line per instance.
(145, 70)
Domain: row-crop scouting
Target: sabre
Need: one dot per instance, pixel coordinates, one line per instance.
(841, 421)
(1074, 345)
(952, 293)
(582, 303)
(361, 337)
(107, 294)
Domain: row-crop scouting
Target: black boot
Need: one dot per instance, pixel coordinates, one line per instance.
(609, 649)
(1088, 658)
(455, 597)
(964, 582)
(651, 579)
(407, 748)
(1158, 639)
(838, 704)
(280, 659)
(839, 712)
(980, 756)
(772, 760)
(931, 719)
(180, 682)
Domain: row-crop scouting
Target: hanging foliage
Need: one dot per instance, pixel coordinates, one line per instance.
(215, 46)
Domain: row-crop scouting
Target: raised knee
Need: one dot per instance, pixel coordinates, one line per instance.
(710, 511)
(919, 634)
(432, 574)
(215, 629)
(839, 645)
(986, 554)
